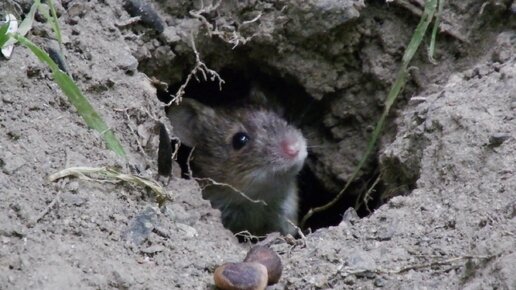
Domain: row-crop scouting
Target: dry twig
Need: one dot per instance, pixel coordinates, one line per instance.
(205, 10)
(248, 237)
(104, 174)
(298, 229)
(345, 271)
(45, 211)
(417, 10)
(129, 21)
(190, 154)
(133, 130)
(200, 67)
(367, 195)
(213, 182)
(229, 34)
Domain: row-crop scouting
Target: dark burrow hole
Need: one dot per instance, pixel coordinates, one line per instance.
(298, 110)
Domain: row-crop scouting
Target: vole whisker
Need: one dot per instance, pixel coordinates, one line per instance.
(317, 146)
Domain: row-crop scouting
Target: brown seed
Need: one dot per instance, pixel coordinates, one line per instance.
(269, 259)
(241, 276)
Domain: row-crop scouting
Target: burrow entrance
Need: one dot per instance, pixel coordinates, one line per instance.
(299, 109)
(329, 74)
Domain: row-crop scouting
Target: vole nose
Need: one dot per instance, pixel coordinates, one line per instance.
(291, 148)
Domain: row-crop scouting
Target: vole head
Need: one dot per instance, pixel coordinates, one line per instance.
(240, 147)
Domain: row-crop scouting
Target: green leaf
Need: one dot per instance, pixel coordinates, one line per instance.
(437, 22)
(55, 22)
(75, 96)
(3, 34)
(26, 24)
(49, 12)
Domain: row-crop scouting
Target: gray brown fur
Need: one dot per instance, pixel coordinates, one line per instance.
(257, 169)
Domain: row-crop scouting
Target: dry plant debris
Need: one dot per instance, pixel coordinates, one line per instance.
(104, 174)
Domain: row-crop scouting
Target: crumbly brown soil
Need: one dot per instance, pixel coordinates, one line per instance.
(448, 155)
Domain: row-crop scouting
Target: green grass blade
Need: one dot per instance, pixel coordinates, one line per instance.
(415, 42)
(55, 22)
(420, 31)
(26, 24)
(74, 94)
(3, 34)
(431, 47)
(49, 12)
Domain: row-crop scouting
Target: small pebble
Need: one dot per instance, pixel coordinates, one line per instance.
(379, 282)
(164, 152)
(238, 276)
(350, 280)
(269, 259)
(187, 231)
(350, 216)
(77, 9)
(141, 226)
(498, 138)
(147, 14)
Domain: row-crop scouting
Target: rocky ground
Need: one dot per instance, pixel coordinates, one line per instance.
(446, 161)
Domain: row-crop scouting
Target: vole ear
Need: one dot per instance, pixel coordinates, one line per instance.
(262, 98)
(187, 119)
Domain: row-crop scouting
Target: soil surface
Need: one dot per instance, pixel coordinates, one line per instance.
(443, 217)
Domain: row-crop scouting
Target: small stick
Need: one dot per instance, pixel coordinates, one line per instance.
(414, 266)
(45, 211)
(199, 67)
(128, 21)
(213, 182)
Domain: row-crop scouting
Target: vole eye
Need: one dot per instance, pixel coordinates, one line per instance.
(239, 140)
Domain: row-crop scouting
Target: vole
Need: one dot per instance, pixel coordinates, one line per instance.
(253, 157)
